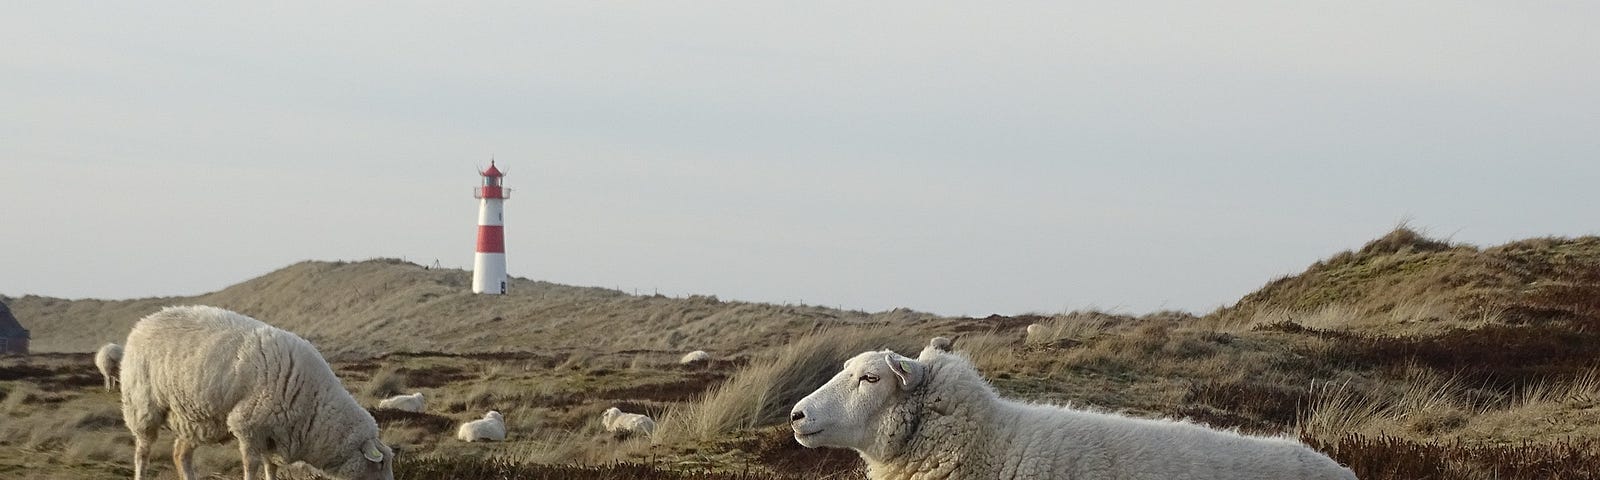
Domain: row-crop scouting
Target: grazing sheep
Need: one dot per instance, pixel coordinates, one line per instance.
(935, 417)
(626, 423)
(697, 356)
(107, 359)
(409, 403)
(491, 427)
(209, 375)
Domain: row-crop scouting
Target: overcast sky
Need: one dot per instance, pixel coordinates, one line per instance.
(964, 159)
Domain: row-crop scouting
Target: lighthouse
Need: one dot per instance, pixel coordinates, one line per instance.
(489, 263)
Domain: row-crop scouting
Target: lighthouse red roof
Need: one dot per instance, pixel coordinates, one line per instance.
(492, 172)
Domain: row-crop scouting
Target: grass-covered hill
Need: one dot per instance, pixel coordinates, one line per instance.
(1407, 276)
(1402, 283)
(1507, 318)
(383, 305)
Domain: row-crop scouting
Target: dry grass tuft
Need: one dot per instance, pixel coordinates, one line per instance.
(1403, 239)
(1075, 328)
(762, 393)
(388, 382)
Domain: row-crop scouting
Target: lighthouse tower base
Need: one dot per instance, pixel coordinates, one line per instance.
(489, 273)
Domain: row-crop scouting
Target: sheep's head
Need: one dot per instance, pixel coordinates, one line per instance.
(369, 460)
(494, 415)
(855, 408)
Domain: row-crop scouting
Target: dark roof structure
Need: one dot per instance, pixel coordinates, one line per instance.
(13, 338)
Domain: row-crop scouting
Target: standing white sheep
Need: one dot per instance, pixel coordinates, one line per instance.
(491, 427)
(935, 417)
(697, 356)
(409, 403)
(209, 375)
(617, 422)
(106, 360)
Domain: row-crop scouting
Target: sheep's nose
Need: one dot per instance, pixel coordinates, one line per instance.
(797, 416)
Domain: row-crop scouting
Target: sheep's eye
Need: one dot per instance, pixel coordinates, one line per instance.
(869, 378)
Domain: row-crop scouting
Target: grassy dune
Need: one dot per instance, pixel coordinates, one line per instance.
(1410, 358)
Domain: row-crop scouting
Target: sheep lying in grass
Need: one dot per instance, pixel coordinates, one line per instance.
(1034, 331)
(106, 360)
(491, 427)
(697, 356)
(209, 375)
(409, 403)
(626, 423)
(935, 417)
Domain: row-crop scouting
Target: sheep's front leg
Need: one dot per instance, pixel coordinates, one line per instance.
(183, 457)
(270, 469)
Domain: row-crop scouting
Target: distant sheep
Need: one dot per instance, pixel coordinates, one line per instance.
(626, 423)
(209, 375)
(1035, 330)
(697, 356)
(107, 359)
(935, 417)
(409, 403)
(492, 427)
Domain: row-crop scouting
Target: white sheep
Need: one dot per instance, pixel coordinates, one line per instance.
(106, 360)
(935, 417)
(209, 375)
(1035, 330)
(626, 423)
(491, 427)
(409, 403)
(697, 356)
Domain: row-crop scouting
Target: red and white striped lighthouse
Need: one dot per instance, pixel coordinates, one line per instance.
(489, 264)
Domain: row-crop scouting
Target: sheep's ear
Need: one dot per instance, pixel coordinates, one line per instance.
(909, 371)
(372, 452)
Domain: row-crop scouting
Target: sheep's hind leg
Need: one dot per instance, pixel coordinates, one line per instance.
(141, 456)
(143, 438)
(183, 457)
(255, 463)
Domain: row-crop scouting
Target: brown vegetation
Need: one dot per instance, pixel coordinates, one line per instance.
(1409, 358)
(1397, 458)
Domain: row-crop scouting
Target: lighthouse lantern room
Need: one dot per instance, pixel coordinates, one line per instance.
(489, 263)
